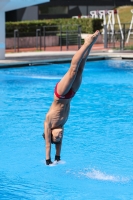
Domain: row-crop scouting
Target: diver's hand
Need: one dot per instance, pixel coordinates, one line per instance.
(57, 158)
(48, 162)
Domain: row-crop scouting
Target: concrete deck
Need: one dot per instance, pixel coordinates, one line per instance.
(36, 58)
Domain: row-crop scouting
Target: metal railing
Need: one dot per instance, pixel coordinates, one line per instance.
(61, 37)
(66, 37)
(118, 37)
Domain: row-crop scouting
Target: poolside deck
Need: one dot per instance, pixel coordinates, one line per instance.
(98, 52)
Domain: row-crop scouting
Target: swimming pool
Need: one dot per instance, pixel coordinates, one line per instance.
(97, 153)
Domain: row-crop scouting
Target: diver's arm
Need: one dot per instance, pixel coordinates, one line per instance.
(58, 150)
(47, 130)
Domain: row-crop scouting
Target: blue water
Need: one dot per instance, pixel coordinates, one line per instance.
(97, 151)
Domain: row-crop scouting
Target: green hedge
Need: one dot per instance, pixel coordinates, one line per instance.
(29, 27)
(88, 25)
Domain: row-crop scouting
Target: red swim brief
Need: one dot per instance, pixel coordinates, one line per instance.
(69, 95)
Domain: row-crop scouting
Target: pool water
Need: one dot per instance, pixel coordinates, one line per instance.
(97, 151)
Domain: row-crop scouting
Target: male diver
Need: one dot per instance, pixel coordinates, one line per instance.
(65, 90)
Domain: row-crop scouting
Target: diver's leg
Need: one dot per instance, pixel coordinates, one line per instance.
(78, 60)
(77, 82)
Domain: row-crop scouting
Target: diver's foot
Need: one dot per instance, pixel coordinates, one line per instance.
(91, 38)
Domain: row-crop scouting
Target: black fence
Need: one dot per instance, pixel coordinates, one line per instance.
(67, 38)
(119, 37)
(45, 37)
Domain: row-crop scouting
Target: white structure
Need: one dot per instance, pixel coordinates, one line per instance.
(130, 28)
(7, 5)
(111, 20)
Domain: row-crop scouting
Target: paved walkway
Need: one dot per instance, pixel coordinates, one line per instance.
(43, 57)
(56, 48)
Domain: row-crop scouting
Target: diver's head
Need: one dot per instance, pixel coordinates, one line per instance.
(56, 135)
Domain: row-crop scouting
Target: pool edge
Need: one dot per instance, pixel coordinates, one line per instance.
(16, 63)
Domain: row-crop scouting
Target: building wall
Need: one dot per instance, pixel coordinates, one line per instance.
(92, 2)
(79, 7)
(29, 13)
(74, 10)
(83, 2)
(63, 9)
(85, 10)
